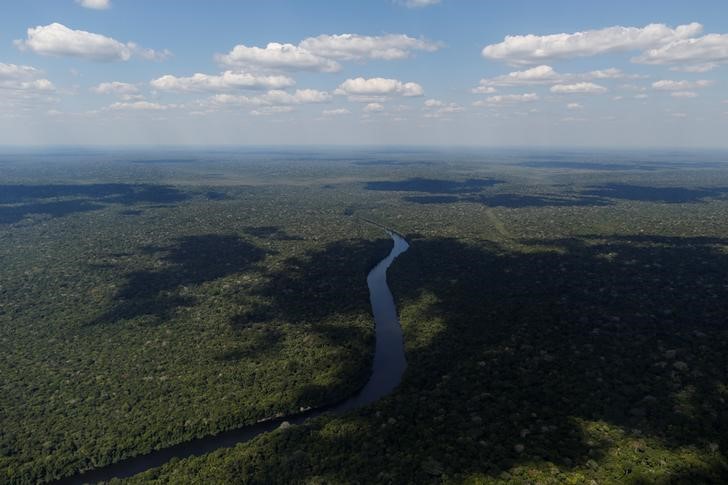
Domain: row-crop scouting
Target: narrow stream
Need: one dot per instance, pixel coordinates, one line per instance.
(387, 370)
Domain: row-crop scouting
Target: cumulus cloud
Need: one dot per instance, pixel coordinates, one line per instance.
(373, 108)
(24, 90)
(578, 88)
(277, 56)
(16, 72)
(335, 112)
(698, 53)
(532, 49)
(140, 106)
(323, 52)
(378, 86)
(26, 79)
(301, 96)
(484, 90)
(611, 73)
(115, 87)
(36, 85)
(95, 4)
(58, 40)
(436, 108)
(669, 85)
(696, 68)
(271, 110)
(356, 47)
(226, 81)
(271, 98)
(507, 99)
(149, 54)
(543, 74)
(536, 75)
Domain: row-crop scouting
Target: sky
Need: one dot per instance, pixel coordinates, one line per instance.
(524, 73)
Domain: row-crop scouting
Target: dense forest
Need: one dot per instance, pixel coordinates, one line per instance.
(564, 316)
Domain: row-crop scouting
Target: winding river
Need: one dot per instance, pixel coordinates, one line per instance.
(387, 370)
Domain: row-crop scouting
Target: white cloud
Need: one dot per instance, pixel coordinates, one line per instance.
(684, 94)
(26, 80)
(484, 90)
(611, 73)
(574, 106)
(418, 3)
(15, 72)
(140, 106)
(532, 49)
(536, 75)
(543, 74)
(451, 108)
(668, 85)
(301, 96)
(115, 87)
(277, 56)
(443, 107)
(356, 47)
(378, 86)
(95, 4)
(507, 99)
(271, 98)
(335, 112)
(702, 52)
(434, 103)
(373, 108)
(226, 81)
(24, 91)
(36, 85)
(272, 110)
(436, 108)
(323, 52)
(149, 54)
(58, 40)
(698, 68)
(641, 96)
(578, 88)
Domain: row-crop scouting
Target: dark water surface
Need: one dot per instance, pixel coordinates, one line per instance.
(387, 370)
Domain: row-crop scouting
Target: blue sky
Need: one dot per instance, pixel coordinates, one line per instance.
(453, 72)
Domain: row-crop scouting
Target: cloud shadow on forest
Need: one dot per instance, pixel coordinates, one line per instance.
(189, 261)
(626, 330)
(433, 186)
(20, 201)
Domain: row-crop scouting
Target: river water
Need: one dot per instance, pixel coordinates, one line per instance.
(387, 370)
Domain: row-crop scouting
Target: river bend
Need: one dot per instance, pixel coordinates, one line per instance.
(387, 370)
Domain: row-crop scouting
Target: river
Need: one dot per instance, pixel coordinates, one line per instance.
(387, 370)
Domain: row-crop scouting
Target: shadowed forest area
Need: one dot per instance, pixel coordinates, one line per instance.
(57, 200)
(191, 260)
(591, 196)
(588, 358)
